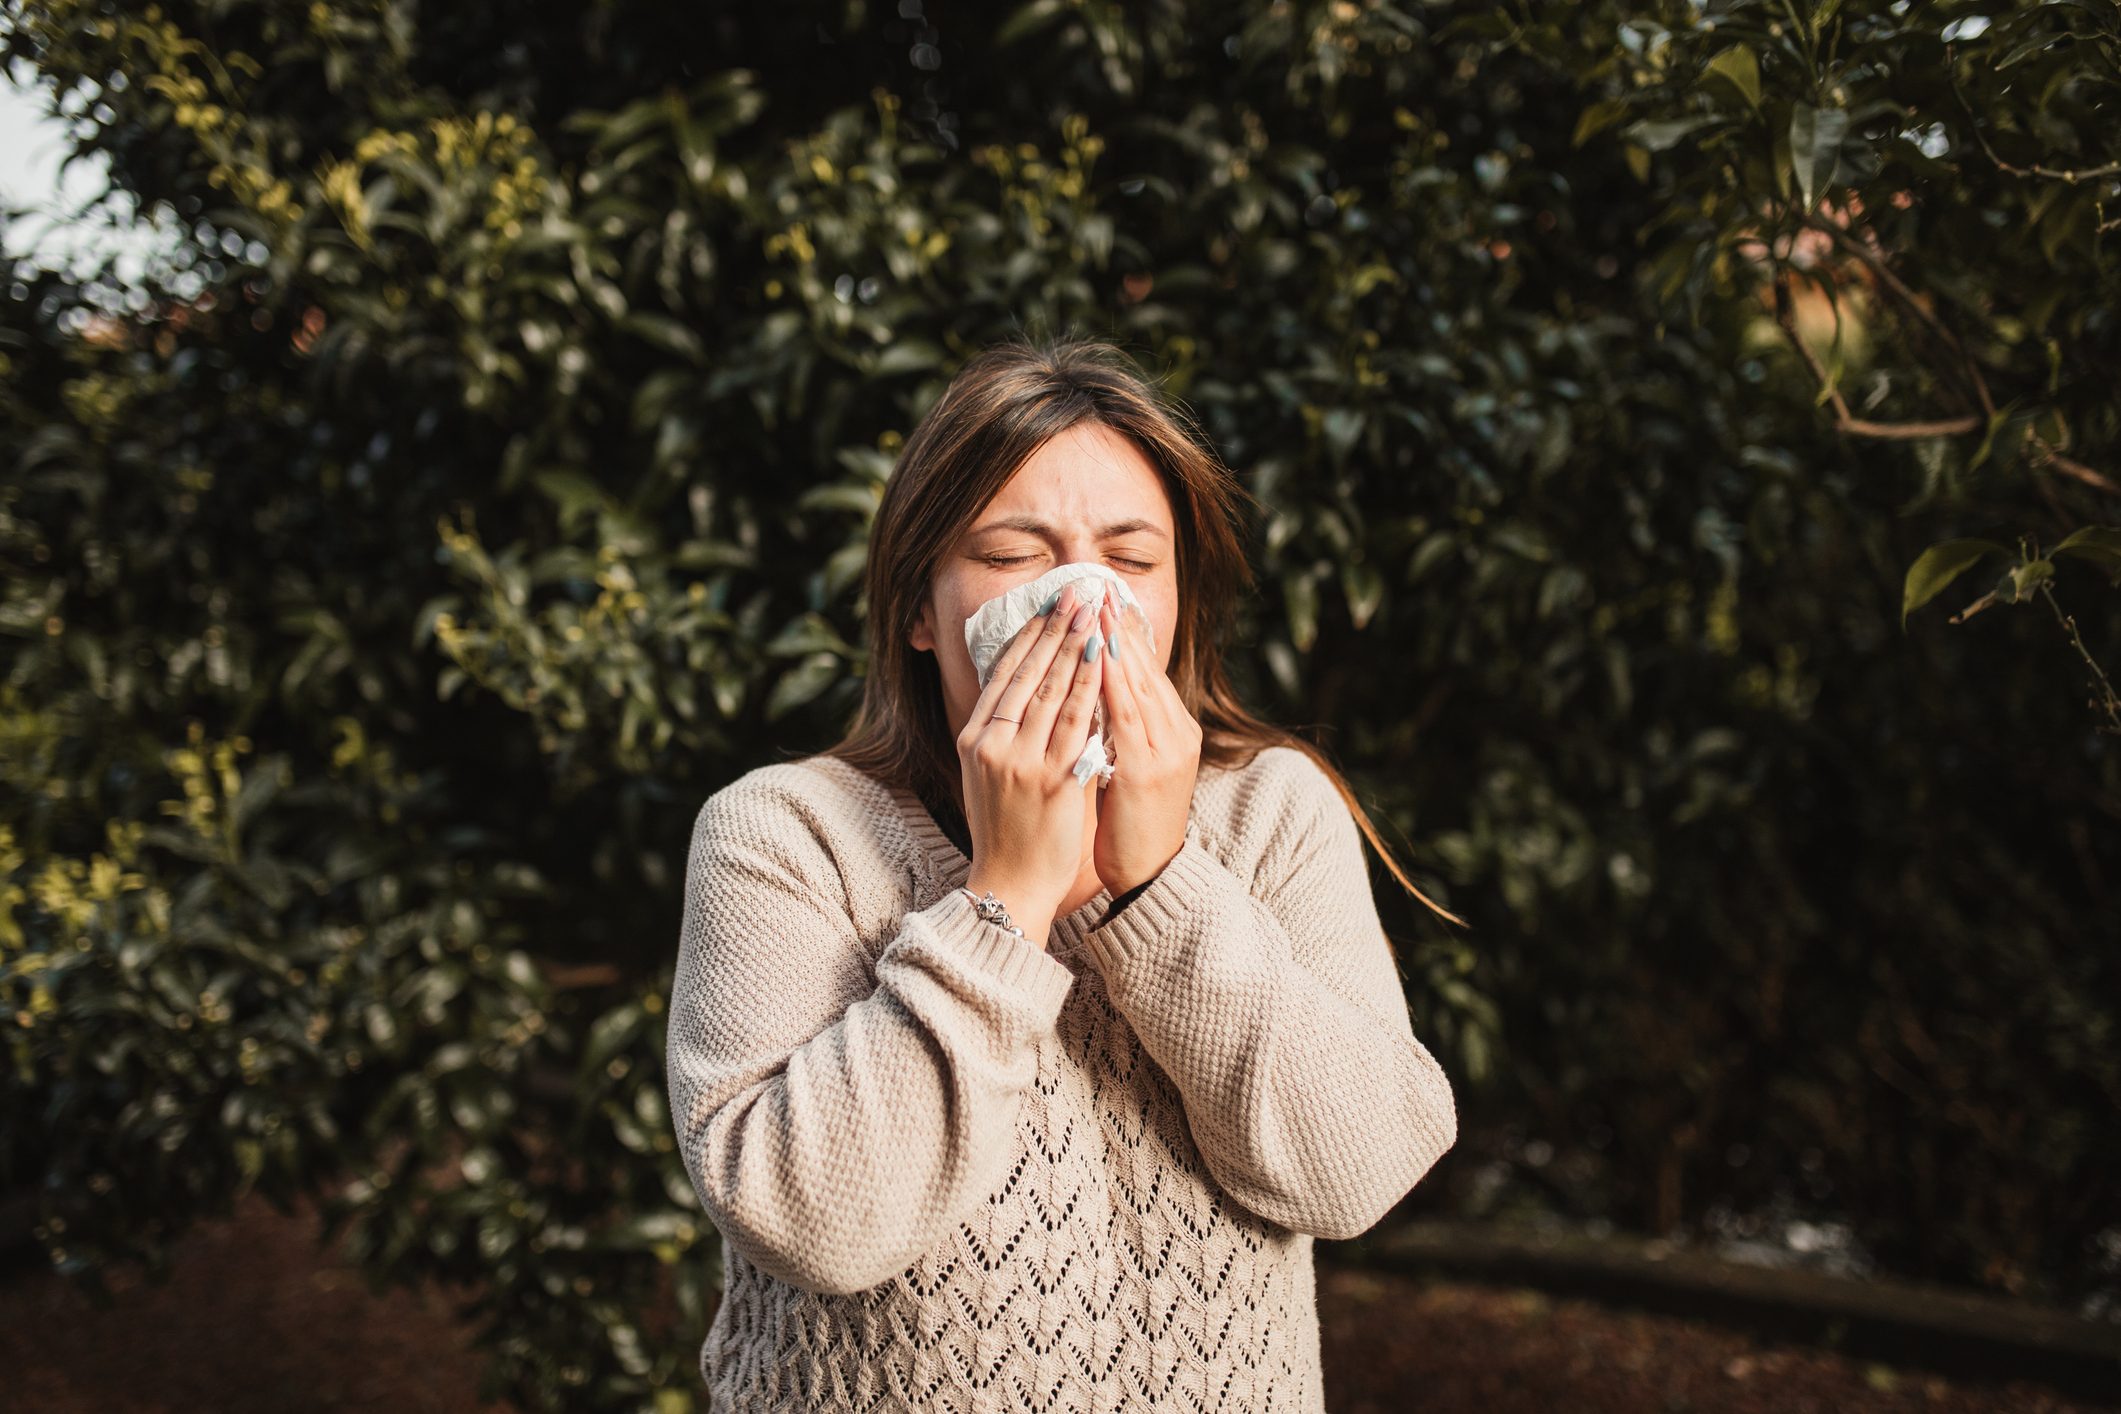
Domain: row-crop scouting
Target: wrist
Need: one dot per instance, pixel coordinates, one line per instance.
(1026, 910)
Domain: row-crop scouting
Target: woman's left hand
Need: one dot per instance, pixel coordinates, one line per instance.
(1155, 746)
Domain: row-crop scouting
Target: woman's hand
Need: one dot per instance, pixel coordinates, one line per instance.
(1141, 815)
(1023, 806)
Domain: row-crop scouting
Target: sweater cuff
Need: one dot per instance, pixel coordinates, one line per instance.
(1179, 891)
(1112, 911)
(994, 954)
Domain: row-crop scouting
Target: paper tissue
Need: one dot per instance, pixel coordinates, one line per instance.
(995, 622)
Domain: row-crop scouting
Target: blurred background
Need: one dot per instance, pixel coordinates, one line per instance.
(439, 445)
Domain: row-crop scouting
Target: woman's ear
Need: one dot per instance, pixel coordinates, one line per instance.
(923, 634)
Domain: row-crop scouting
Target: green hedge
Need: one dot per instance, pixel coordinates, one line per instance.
(483, 478)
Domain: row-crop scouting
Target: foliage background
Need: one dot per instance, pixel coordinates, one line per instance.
(482, 479)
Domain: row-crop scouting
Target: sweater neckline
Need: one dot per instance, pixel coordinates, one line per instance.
(952, 867)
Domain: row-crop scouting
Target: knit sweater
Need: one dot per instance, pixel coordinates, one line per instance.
(955, 1172)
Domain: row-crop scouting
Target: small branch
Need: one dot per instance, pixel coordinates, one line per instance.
(1946, 427)
(2106, 701)
(1844, 420)
(2070, 175)
(1874, 259)
(1788, 322)
(2069, 466)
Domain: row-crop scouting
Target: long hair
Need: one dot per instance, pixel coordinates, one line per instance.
(1005, 403)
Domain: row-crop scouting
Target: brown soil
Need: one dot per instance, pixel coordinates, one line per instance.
(255, 1318)
(1391, 1344)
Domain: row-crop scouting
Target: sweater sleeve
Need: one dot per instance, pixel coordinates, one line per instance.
(1277, 1010)
(837, 1116)
(1112, 909)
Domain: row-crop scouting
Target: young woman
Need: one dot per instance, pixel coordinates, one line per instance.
(1008, 1092)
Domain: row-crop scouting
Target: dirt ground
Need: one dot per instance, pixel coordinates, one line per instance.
(255, 1321)
(1391, 1345)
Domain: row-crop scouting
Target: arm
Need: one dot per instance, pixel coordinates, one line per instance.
(1281, 1019)
(836, 1119)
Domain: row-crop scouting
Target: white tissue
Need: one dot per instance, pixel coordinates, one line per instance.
(996, 622)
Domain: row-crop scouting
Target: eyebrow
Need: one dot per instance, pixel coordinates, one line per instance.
(1036, 526)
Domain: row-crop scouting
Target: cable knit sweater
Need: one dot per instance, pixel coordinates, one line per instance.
(954, 1172)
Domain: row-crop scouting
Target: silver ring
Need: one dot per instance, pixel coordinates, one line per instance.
(1018, 721)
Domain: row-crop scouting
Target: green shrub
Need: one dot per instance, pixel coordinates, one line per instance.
(486, 474)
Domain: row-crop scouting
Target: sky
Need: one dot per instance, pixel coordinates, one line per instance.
(69, 223)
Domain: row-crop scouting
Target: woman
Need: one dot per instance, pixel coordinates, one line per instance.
(1008, 1092)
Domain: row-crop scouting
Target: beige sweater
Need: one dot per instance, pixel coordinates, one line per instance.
(953, 1172)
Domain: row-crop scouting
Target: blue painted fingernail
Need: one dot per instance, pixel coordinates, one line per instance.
(1093, 647)
(1115, 647)
(1050, 603)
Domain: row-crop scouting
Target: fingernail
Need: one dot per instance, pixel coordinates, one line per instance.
(1053, 602)
(1093, 647)
(1081, 619)
(1114, 645)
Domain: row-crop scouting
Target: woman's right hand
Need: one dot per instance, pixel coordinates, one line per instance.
(1023, 806)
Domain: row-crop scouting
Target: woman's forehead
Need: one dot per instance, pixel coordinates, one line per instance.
(1086, 480)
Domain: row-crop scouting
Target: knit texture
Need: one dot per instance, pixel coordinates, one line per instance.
(953, 1172)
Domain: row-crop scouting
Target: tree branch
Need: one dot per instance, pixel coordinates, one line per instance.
(1873, 259)
(2070, 175)
(2068, 466)
(1844, 420)
(2049, 454)
(2104, 700)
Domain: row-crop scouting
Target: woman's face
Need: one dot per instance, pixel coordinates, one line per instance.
(1087, 494)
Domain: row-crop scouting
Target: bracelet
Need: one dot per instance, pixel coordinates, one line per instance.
(990, 908)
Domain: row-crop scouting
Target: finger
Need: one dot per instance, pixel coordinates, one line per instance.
(1020, 691)
(1163, 707)
(1123, 722)
(1071, 726)
(1067, 633)
(1156, 700)
(1004, 670)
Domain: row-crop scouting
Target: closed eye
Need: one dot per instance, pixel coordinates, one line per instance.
(1005, 561)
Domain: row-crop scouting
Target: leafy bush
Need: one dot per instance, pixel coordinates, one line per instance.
(482, 475)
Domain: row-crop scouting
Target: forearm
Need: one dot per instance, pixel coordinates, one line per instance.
(1309, 1096)
(834, 1164)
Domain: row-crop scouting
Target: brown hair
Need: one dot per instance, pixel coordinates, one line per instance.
(1005, 403)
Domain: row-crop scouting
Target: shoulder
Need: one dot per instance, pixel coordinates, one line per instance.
(1272, 809)
(809, 813)
(820, 790)
(813, 828)
(1278, 781)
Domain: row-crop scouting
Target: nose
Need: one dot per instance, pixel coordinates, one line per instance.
(1071, 552)
(1074, 546)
